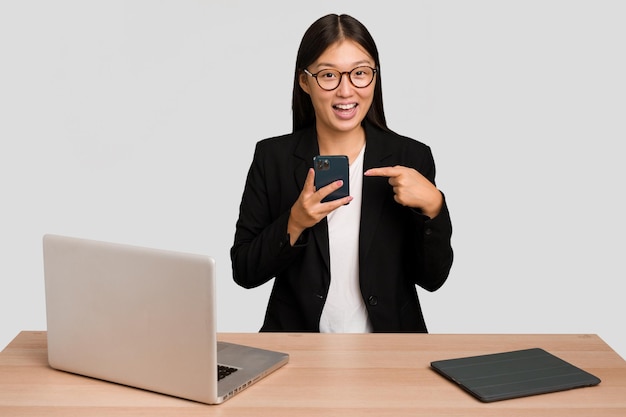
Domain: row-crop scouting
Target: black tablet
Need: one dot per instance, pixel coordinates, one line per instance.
(520, 373)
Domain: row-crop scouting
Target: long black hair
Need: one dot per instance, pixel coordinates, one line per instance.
(324, 32)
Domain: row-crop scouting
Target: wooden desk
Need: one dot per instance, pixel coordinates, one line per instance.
(337, 375)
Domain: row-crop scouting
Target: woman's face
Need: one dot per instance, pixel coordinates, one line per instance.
(343, 109)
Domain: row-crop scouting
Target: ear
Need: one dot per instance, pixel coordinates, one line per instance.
(303, 80)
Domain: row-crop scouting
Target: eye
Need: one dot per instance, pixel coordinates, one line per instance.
(361, 72)
(328, 74)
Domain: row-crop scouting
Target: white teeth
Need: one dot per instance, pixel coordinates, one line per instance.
(345, 106)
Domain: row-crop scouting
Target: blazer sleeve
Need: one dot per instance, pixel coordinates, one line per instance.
(261, 247)
(435, 249)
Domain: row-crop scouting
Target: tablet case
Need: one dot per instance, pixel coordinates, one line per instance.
(501, 376)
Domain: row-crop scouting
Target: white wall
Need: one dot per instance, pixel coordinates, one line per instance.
(135, 121)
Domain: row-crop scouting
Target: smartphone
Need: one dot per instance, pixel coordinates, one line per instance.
(328, 169)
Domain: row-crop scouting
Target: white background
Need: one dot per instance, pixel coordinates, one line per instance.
(135, 122)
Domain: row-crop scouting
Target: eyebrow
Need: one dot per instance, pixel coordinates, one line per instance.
(356, 64)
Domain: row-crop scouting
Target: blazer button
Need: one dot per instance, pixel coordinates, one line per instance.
(428, 231)
(372, 300)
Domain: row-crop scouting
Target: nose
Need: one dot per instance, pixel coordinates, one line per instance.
(345, 85)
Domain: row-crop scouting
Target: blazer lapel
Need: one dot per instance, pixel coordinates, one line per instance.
(377, 152)
(307, 148)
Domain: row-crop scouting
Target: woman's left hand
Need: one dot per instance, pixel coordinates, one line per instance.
(411, 188)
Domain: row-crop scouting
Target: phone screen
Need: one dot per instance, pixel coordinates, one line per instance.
(328, 169)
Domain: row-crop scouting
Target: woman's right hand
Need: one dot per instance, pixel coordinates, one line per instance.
(308, 209)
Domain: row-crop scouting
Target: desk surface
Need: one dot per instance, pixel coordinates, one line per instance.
(340, 375)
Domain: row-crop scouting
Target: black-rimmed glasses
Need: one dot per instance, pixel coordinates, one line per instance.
(329, 79)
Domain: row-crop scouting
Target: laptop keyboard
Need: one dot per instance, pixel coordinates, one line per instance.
(223, 371)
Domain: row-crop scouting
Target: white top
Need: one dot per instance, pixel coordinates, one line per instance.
(344, 310)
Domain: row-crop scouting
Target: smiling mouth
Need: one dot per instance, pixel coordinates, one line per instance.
(345, 106)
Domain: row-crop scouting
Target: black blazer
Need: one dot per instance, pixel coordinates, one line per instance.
(398, 246)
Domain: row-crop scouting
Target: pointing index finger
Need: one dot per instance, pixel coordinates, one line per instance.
(382, 172)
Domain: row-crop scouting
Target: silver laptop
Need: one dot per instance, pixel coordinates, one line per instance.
(143, 318)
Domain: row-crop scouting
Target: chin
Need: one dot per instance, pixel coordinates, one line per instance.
(349, 126)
